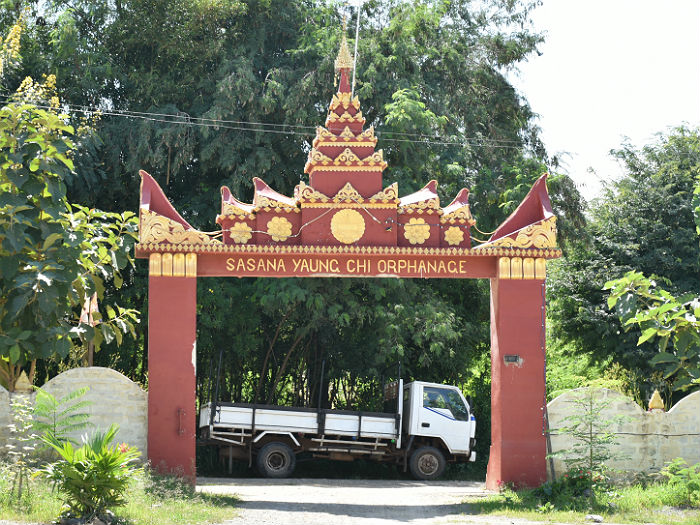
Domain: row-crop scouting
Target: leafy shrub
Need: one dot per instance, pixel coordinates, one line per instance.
(61, 416)
(94, 477)
(577, 489)
(684, 480)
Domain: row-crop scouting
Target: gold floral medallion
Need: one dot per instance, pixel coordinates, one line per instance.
(279, 228)
(454, 235)
(416, 231)
(241, 232)
(347, 226)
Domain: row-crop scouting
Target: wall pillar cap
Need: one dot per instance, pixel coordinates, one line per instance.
(656, 403)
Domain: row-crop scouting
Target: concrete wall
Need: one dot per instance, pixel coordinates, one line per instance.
(646, 441)
(113, 399)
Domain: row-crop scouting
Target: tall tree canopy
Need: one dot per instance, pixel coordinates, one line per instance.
(643, 222)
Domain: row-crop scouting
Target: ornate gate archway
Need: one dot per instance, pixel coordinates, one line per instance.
(345, 223)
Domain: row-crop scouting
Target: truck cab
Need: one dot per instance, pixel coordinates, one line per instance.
(439, 414)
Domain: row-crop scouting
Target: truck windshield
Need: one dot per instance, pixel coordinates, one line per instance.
(446, 399)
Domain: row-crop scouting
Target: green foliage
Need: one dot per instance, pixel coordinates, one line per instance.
(94, 477)
(60, 417)
(20, 447)
(592, 435)
(151, 500)
(53, 254)
(567, 501)
(672, 321)
(643, 222)
(577, 489)
(685, 481)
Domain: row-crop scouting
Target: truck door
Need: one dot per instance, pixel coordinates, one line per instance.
(444, 414)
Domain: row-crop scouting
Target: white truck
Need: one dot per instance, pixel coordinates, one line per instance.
(432, 425)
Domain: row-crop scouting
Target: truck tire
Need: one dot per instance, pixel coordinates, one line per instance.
(276, 460)
(427, 463)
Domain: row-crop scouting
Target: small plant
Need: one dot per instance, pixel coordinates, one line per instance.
(94, 477)
(592, 435)
(60, 417)
(685, 480)
(21, 446)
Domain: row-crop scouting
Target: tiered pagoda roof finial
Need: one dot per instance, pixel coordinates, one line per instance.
(344, 59)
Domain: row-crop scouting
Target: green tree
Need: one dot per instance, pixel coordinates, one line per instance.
(53, 255)
(643, 222)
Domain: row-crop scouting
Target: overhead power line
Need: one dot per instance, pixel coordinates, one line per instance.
(280, 129)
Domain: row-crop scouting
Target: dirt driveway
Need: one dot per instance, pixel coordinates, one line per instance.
(344, 502)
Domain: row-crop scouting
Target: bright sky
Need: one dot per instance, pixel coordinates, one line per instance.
(609, 69)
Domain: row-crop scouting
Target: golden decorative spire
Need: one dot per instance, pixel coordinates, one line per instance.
(656, 403)
(344, 59)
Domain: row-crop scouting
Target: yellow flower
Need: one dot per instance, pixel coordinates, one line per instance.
(416, 231)
(454, 235)
(279, 228)
(241, 232)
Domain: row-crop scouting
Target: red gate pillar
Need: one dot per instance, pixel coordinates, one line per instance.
(518, 447)
(172, 334)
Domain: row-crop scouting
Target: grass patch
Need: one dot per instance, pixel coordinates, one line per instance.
(661, 503)
(152, 500)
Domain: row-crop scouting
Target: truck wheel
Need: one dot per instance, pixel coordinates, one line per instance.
(427, 463)
(276, 460)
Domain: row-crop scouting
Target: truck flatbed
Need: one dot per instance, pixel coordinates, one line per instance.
(297, 420)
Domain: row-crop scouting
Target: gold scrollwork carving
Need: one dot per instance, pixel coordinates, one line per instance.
(428, 204)
(347, 133)
(347, 157)
(156, 228)
(539, 235)
(346, 99)
(241, 233)
(367, 135)
(462, 213)
(454, 235)
(304, 192)
(347, 192)
(265, 202)
(345, 117)
(387, 194)
(279, 228)
(347, 226)
(416, 231)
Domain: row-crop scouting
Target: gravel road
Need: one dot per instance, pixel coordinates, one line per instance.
(344, 502)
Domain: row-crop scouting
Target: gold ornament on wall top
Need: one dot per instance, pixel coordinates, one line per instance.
(241, 232)
(156, 228)
(347, 226)
(279, 228)
(416, 231)
(454, 235)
